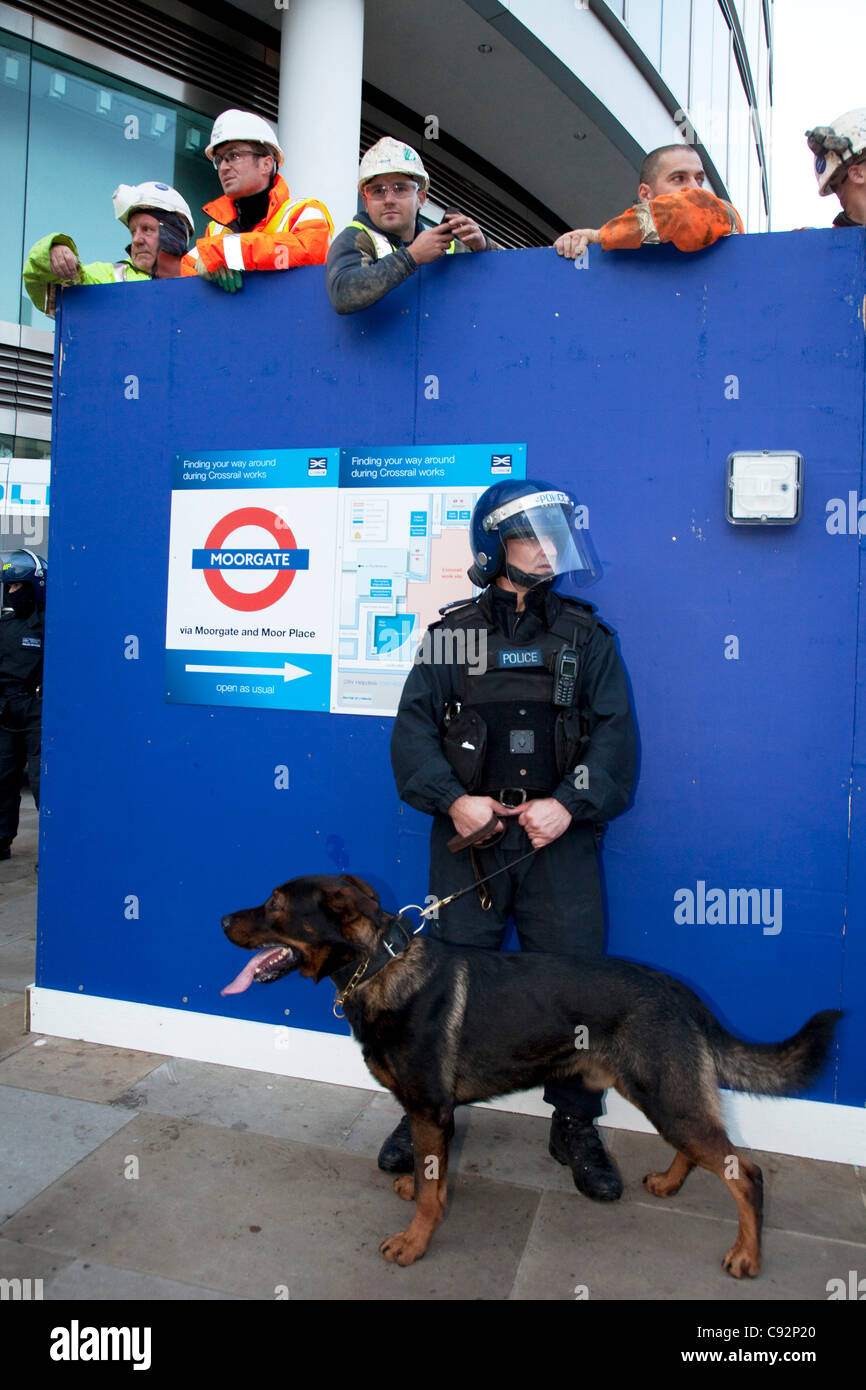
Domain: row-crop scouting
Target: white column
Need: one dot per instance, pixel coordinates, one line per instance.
(321, 61)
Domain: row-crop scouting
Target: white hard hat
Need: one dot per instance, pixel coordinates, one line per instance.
(837, 146)
(389, 156)
(141, 197)
(244, 125)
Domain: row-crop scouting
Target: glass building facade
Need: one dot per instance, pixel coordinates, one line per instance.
(715, 57)
(74, 134)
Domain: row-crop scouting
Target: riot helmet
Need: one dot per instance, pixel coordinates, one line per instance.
(28, 569)
(541, 521)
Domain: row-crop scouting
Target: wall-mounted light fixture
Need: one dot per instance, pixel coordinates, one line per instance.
(765, 488)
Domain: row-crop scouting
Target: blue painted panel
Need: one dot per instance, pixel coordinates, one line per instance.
(620, 379)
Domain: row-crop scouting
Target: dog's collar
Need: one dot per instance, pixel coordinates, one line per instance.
(396, 939)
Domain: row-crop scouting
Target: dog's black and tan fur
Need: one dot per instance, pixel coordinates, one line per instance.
(440, 1027)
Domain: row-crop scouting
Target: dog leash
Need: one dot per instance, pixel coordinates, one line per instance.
(409, 931)
(425, 912)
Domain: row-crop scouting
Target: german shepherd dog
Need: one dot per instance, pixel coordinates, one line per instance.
(441, 1027)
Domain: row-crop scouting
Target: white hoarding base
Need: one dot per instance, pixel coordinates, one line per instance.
(806, 1128)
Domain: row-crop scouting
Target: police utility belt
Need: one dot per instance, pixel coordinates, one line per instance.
(517, 726)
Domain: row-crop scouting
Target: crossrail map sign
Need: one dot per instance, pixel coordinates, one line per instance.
(305, 578)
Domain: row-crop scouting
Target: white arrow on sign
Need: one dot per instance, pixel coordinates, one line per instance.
(287, 671)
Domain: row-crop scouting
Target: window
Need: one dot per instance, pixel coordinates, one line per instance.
(644, 19)
(76, 133)
(14, 102)
(676, 24)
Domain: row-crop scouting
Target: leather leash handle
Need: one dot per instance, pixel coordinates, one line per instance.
(458, 842)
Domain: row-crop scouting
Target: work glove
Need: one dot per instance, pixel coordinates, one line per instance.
(229, 280)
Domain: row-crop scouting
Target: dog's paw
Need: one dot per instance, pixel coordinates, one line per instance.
(405, 1187)
(401, 1249)
(660, 1185)
(742, 1263)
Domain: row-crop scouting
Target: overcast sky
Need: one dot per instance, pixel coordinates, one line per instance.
(819, 72)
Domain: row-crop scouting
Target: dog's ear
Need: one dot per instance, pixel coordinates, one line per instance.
(354, 898)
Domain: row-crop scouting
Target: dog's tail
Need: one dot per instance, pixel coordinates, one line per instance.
(771, 1069)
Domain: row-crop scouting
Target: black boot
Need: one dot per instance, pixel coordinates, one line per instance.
(575, 1140)
(5, 849)
(397, 1154)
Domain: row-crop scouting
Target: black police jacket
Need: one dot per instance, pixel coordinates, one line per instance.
(21, 653)
(425, 778)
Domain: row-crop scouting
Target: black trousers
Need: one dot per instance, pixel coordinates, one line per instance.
(20, 748)
(555, 901)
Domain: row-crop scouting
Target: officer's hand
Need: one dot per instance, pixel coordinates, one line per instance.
(543, 820)
(229, 280)
(431, 244)
(573, 244)
(64, 262)
(467, 231)
(471, 813)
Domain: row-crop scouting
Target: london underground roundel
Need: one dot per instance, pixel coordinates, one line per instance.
(281, 582)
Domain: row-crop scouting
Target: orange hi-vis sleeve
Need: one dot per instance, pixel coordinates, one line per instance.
(291, 234)
(691, 219)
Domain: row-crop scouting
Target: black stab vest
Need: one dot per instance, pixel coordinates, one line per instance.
(507, 732)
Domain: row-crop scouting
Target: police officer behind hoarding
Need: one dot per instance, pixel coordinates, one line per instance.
(22, 614)
(539, 735)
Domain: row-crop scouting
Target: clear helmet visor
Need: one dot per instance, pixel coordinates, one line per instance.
(543, 543)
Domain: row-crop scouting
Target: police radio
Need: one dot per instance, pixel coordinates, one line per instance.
(565, 677)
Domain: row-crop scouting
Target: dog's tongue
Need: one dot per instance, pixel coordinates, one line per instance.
(245, 979)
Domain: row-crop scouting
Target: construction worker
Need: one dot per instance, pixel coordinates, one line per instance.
(160, 225)
(840, 164)
(386, 242)
(256, 225)
(22, 624)
(672, 205)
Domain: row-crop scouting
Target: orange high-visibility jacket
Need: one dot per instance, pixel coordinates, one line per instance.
(289, 234)
(691, 218)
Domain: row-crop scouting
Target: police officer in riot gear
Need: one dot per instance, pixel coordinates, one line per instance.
(22, 613)
(536, 744)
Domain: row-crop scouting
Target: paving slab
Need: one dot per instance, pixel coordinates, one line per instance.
(44, 1136)
(251, 1215)
(13, 1022)
(312, 1112)
(18, 963)
(71, 1067)
(800, 1194)
(89, 1281)
(510, 1148)
(374, 1123)
(22, 1261)
(18, 915)
(633, 1251)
